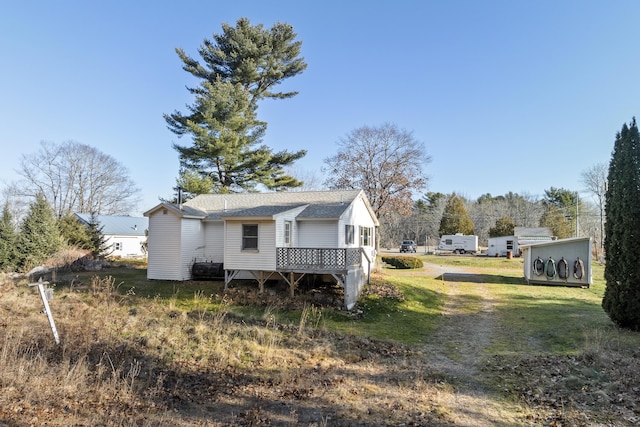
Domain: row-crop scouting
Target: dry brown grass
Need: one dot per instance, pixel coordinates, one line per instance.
(124, 361)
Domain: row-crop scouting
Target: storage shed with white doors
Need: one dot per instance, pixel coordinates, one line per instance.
(265, 236)
(125, 236)
(563, 262)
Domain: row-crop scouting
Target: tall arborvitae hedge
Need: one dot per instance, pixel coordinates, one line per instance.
(622, 242)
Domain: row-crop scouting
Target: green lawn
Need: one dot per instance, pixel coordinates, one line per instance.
(533, 319)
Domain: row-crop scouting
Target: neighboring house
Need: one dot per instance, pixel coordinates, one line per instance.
(527, 235)
(125, 236)
(500, 246)
(263, 236)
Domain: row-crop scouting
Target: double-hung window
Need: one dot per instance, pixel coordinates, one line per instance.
(287, 233)
(365, 236)
(250, 237)
(349, 234)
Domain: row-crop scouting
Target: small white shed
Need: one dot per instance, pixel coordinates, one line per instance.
(563, 262)
(499, 246)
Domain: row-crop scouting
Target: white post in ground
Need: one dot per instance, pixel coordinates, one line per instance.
(43, 294)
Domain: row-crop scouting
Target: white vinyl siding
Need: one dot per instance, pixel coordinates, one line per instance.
(237, 259)
(280, 221)
(318, 234)
(358, 216)
(164, 247)
(214, 241)
(192, 245)
(126, 246)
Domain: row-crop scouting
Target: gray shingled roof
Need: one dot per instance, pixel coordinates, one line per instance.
(253, 212)
(318, 204)
(321, 204)
(218, 202)
(323, 211)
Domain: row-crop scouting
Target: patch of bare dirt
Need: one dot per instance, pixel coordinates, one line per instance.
(456, 350)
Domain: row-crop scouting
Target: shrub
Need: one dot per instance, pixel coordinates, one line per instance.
(403, 262)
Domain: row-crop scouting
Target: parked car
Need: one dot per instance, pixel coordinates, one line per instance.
(408, 246)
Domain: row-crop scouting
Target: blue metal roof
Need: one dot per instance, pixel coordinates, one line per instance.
(118, 225)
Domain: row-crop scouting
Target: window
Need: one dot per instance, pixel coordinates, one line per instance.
(287, 232)
(448, 242)
(349, 234)
(250, 237)
(117, 246)
(509, 245)
(365, 236)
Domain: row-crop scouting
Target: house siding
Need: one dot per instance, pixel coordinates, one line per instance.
(263, 259)
(214, 241)
(130, 246)
(280, 221)
(192, 245)
(317, 234)
(163, 245)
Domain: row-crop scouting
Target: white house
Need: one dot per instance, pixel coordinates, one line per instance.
(262, 236)
(125, 236)
(499, 246)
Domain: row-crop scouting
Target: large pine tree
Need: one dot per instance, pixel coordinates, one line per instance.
(239, 67)
(455, 218)
(7, 240)
(622, 242)
(39, 236)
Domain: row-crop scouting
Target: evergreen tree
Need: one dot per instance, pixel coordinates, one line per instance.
(8, 237)
(39, 236)
(455, 218)
(98, 241)
(240, 67)
(555, 220)
(561, 211)
(505, 226)
(621, 299)
(74, 232)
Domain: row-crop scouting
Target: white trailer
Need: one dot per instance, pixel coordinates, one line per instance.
(458, 243)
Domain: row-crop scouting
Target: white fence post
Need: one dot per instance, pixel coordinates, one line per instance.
(43, 294)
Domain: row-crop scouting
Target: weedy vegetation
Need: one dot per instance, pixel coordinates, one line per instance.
(150, 353)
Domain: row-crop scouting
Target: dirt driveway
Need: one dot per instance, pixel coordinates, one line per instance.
(457, 347)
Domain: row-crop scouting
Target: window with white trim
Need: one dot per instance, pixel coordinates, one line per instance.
(366, 234)
(117, 246)
(287, 232)
(250, 237)
(349, 232)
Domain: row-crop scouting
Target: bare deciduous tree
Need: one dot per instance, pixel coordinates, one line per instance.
(75, 177)
(387, 163)
(595, 181)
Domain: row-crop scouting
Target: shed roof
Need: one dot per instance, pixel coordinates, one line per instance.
(532, 231)
(118, 225)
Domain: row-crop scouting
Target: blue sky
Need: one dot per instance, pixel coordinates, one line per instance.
(505, 95)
